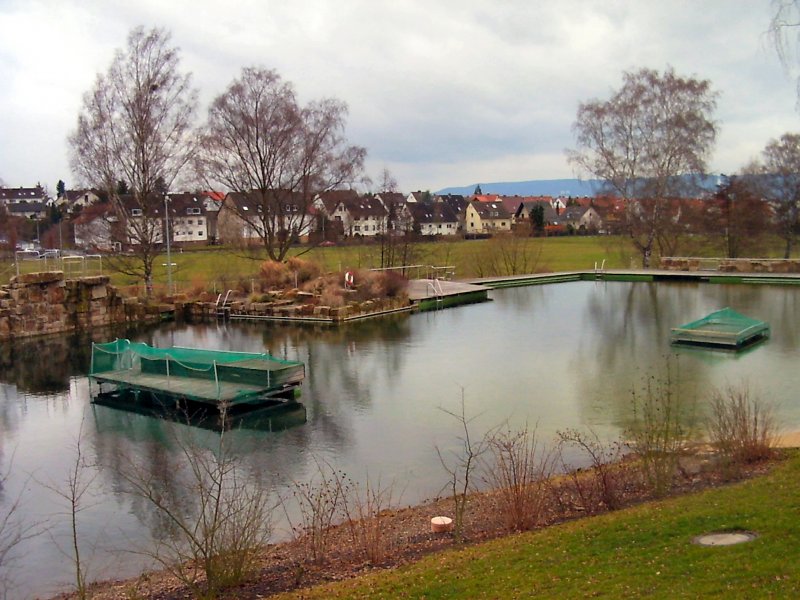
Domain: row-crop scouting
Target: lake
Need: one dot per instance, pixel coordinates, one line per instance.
(375, 396)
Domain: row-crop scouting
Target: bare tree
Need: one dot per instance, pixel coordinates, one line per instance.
(646, 142)
(736, 216)
(260, 143)
(136, 125)
(779, 181)
(13, 531)
(387, 181)
(784, 32)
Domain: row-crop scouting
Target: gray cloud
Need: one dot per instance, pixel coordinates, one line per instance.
(442, 93)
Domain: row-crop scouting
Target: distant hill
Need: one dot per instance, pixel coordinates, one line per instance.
(549, 187)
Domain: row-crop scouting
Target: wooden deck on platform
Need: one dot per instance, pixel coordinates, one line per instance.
(424, 289)
(199, 390)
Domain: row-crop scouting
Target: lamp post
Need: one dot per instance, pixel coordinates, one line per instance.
(166, 233)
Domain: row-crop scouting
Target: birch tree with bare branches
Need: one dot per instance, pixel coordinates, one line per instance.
(260, 143)
(136, 125)
(647, 142)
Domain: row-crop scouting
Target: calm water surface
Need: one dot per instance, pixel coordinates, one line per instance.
(557, 356)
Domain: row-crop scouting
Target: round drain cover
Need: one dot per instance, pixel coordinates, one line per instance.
(725, 538)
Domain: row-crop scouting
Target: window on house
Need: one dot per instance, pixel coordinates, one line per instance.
(199, 233)
(199, 221)
(357, 228)
(191, 221)
(136, 212)
(502, 224)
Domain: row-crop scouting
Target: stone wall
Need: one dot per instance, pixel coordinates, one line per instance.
(46, 303)
(732, 265)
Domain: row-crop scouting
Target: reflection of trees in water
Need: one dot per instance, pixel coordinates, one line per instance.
(345, 364)
(625, 338)
(156, 447)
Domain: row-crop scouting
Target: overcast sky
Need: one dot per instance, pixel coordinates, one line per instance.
(440, 92)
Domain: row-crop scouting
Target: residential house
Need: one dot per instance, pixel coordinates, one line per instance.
(96, 228)
(435, 218)
(458, 204)
(188, 219)
(486, 218)
(28, 210)
(74, 201)
(330, 207)
(522, 217)
(257, 216)
(419, 197)
(24, 195)
(400, 219)
(577, 218)
(367, 216)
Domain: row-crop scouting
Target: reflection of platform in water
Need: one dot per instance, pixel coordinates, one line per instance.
(277, 415)
(213, 377)
(724, 328)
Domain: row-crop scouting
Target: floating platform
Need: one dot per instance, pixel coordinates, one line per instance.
(724, 328)
(220, 378)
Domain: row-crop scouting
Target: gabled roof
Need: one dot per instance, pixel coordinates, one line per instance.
(180, 204)
(438, 212)
(486, 197)
(22, 193)
(253, 202)
(365, 206)
(99, 210)
(456, 202)
(26, 207)
(391, 198)
(332, 198)
(490, 210)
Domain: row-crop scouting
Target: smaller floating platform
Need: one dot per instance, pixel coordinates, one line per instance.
(216, 377)
(724, 328)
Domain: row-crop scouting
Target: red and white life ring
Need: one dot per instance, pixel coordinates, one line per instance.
(348, 278)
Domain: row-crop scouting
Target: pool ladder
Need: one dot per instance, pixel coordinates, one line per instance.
(436, 287)
(223, 306)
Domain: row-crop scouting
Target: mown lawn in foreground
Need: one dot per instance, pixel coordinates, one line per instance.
(645, 551)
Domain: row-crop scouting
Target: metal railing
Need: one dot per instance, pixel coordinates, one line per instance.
(72, 265)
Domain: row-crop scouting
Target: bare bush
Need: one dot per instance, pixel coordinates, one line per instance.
(658, 432)
(519, 471)
(366, 509)
(302, 270)
(741, 427)
(508, 254)
(213, 544)
(13, 531)
(460, 466)
(320, 503)
(274, 274)
(603, 483)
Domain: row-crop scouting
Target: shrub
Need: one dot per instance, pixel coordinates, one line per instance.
(305, 270)
(740, 426)
(519, 471)
(603, 483)
(274, 274)
(658, 432)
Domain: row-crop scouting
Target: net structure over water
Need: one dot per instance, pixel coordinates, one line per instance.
(209, 376)
(724, 327)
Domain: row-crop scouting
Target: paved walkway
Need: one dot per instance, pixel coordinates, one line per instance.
(421, 289)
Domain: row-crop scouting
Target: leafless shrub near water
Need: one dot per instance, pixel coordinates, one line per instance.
(460, 465)
(658, 433)
(603, 483)
(213, 543)
(519, 470)
(366, 509)
(741, 427)
(321, 504)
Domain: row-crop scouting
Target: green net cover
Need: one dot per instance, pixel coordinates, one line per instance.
(723, 327)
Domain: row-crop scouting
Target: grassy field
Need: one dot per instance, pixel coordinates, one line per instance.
(219, 268)
(646, 551)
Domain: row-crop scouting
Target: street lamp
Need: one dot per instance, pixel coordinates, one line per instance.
(166, 232)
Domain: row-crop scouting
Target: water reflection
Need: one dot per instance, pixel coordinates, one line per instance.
(560, 356)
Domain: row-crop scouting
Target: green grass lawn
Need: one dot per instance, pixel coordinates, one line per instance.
(220, 268)
(646, 551)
